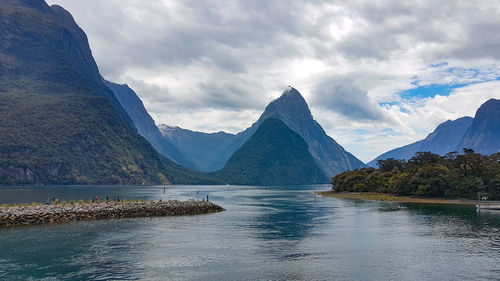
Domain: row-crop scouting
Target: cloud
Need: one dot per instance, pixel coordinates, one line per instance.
(409, 120)
(343, 96)
(207, 64)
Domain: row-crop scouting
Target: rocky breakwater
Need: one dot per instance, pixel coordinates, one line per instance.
(23, 215)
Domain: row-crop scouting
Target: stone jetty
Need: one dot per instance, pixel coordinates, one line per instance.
(23, 215)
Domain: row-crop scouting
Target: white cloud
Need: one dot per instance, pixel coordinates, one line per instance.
(208, 65)
(410, 120)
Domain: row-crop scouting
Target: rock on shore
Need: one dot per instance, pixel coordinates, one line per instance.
(11, 216)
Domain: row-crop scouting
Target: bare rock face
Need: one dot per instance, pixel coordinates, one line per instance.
(55, 170)
(16, 174)
(26, 175)
(483, 136)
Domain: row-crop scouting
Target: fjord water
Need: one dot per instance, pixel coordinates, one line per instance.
(266, 233)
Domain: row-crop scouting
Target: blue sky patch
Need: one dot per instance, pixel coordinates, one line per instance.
(435, 65)
(361, 132)
(390, 132)
(469, 76)
(430, 91)
(388, 103)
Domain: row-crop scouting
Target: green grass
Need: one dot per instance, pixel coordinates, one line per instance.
(394, 198)
(21, 205)
(74, 202)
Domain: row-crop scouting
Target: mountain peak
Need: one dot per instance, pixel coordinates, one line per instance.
(291, 94)
(213, 150)
(489, 105)
(292, 109)
(441, 141)
(63, 15)
(290, 91)
(490, 110)
(289, 105)
(492, 100)
(461, 123)
(484, 134)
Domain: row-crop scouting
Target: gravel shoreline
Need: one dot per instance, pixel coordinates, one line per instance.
(395, 198)
(24, 215)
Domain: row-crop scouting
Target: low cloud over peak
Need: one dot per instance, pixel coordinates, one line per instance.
(208, 65)
(343, 96)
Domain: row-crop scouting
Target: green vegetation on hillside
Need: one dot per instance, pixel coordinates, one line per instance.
(41, 54)
(273, 155)
(428, 175)
(59, 123)
(75, 139)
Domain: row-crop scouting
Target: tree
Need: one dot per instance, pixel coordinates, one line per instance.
(428, 174)
(390, 163)
(468, 151)
(422, 158)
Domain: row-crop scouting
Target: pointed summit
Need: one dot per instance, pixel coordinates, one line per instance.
(291, 97)
(484, 134)
(291, 92)
(292, 109)
(290, 103)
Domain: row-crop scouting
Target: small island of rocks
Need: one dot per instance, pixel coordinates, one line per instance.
(37, 214)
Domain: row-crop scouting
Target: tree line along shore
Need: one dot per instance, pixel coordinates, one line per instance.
(36, 214)
(469, 176)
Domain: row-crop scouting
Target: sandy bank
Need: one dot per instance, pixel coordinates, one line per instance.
(21, 215)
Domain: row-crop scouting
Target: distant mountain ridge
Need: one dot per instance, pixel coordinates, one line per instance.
(208, 150)
(444, 139)
(145, 124)
(481, 133)
(292, 109)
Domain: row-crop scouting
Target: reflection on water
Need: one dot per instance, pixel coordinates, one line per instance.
(269, 233)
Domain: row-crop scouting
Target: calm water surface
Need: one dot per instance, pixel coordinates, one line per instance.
(266, 233)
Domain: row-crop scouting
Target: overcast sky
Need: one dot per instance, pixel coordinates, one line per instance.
(376, 74)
